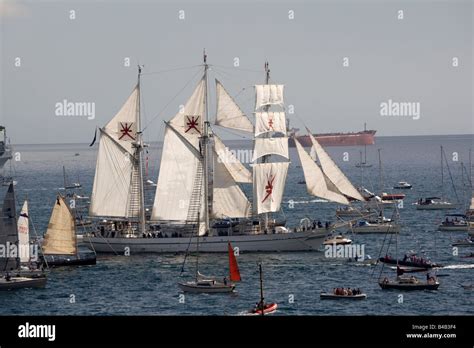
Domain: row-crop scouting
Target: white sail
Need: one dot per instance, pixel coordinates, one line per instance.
(269, 184)
(189, 121)
(270, 122)
(316, 182)
(178, 169)
(24, 234)
(270, 146)
(234, 166)
(60, 237)
(228, 198)
(112, 189)
(229, 114)
(268, 95)
(332, 171)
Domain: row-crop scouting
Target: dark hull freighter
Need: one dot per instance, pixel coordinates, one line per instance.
(366, 137)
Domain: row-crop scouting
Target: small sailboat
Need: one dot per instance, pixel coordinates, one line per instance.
(67, 185)
(28, 266)
(9, 236)
(262, 308)
(205, 284)
(374, 226)
(436, 203)
(363, 163)
(407, 283)
(60, 240)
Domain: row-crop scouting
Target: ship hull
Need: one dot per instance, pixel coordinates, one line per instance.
(348, 139)
(294, 241)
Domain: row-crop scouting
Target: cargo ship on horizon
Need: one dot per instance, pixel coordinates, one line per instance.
(365, 137)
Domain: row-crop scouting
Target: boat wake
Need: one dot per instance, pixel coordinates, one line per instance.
(458, 266)
(306, 202)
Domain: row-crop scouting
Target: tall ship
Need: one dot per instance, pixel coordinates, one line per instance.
(365, 137)
(199, 203)
(5, 149)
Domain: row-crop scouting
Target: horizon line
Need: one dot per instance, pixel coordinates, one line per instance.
(376, 136)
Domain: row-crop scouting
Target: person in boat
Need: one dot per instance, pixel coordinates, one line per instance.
(224, 280)
(405, 258)
(8, 277)
(320, 225)
(326, 225)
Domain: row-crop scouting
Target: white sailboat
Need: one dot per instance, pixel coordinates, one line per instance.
(436, 203)
(184, 190)
(9, 236)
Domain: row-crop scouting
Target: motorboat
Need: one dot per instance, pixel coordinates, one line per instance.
(434, 203)
(337, 240)
(454, 222)
(403, 185)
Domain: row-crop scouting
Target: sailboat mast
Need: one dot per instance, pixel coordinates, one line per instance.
(205, 139)
(64, 176)
(442, 174)
(139, 145)
(261, 288)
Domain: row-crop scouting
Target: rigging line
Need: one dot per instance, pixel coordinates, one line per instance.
(169, 70)
(246, 137)
(172, 99)
(236, 68)
(451, 177)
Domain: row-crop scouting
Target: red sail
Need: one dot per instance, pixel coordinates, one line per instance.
(233, 267)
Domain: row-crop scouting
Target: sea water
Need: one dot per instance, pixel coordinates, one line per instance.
(147, 284)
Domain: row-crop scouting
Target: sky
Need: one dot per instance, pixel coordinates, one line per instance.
(82, 59)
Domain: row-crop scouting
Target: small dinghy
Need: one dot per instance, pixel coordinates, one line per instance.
(464, 242)
(411, 261)
(267, 309)
(467, 286)
(262, 308)
(12, 283)
(332, 296)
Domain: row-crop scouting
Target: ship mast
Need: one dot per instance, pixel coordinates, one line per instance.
(139, 146)
(205, 141)
(267, 135)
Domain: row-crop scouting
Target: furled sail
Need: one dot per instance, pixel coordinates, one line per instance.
(24, 234)
(332, 171)
(180, 164)
(8, 230)
(238, 171)
(270, 122)
(269, 184)
(116, 164)
(268, 95)
(316, 182)
(471, 207)
(228, 198)
(270, 146)
(229, 114)
(60, 237)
